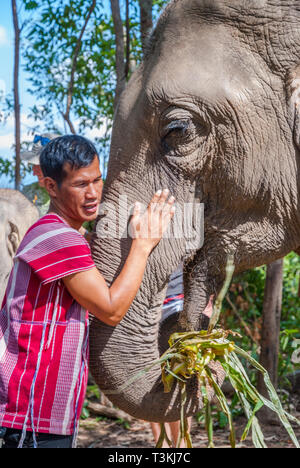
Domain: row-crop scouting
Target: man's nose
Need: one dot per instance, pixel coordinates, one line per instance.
(91, 191)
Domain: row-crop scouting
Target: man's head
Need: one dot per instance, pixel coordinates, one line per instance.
(72, 177)
(32, 156)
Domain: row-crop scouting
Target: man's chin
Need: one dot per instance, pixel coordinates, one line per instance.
(90, 218)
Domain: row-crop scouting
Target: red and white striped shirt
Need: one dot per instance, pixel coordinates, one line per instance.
(44, 332)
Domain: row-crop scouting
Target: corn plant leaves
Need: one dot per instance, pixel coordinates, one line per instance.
(191, 353)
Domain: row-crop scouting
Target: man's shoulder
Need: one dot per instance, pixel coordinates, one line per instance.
(49, 232)
(49, 222)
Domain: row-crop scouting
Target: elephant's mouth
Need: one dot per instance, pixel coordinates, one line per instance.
(209, 308)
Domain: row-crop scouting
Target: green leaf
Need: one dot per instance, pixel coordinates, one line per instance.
(251, 419)
(274, 404)
(223, 402)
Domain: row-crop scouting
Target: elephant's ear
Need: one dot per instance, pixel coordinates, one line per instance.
(293, 93)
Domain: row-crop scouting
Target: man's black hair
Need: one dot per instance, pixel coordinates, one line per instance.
(73, 149)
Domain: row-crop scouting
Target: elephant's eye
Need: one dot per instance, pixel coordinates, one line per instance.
(177, 133)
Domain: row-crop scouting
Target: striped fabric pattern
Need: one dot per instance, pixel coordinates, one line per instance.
(44, 332)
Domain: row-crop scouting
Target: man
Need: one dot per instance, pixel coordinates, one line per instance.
(54, 282)
(36, 192)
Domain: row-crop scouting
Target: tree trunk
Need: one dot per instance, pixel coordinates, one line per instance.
(120, 61)
(298, 252)
(146, 21)
(77, 49)
(271, 326)
(17, 107)
(127, 63)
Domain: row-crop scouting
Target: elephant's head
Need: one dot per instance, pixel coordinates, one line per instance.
(212, 114)
(17, 214)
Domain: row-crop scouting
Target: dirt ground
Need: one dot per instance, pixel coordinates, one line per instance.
(112, 434)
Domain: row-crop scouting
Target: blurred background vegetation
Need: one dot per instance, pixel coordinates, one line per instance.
(242, 312)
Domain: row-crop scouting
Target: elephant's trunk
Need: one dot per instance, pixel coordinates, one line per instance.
(120, 353)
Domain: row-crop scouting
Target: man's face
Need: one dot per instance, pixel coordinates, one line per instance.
(79, 195)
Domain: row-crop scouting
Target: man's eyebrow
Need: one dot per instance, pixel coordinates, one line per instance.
(82, 181)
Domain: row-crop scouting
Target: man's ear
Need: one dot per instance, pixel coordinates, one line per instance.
(293, 94)
(51, 186)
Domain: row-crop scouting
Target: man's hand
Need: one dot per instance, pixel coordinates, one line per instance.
(148, 228)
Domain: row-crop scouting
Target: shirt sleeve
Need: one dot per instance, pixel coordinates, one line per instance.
(60, 252)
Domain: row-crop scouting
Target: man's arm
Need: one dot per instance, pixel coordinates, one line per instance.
(89, 288)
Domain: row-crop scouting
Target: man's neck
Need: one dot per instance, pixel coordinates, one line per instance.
(73, 223)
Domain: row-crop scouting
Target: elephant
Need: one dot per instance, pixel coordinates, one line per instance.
(213, 114)
(17, 214)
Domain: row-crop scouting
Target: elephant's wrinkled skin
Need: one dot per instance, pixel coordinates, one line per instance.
(17, 214)
(212, 114)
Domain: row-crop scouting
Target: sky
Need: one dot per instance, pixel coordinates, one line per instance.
(6, 86)
(6, 72)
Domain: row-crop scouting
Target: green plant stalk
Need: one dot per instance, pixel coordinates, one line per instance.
(218, 303)
(223, 402)
(163, 436)
(184, 431)
(138, 375)
(256, 432)
(208, 418)
(251, 417)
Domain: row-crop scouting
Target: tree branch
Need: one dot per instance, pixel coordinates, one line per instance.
(17, 107)
(101, 410)
(120, 63)
(242, 321)
(127, 64)
(146, 21)
(271, 321)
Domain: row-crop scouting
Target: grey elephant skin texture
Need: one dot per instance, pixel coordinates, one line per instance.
(212, 114)
(17, 214)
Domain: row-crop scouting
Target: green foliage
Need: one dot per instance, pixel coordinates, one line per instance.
(7, 168)
(49, 48)
(189, 355)
(247, 295)
(51, 39)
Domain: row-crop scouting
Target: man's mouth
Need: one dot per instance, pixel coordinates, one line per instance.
(91, 209)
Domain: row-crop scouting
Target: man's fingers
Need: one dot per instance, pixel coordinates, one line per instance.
(136, 209)
(156, 197)
(154, 221)
(167, 207)
(158, 200)
(162, 200)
